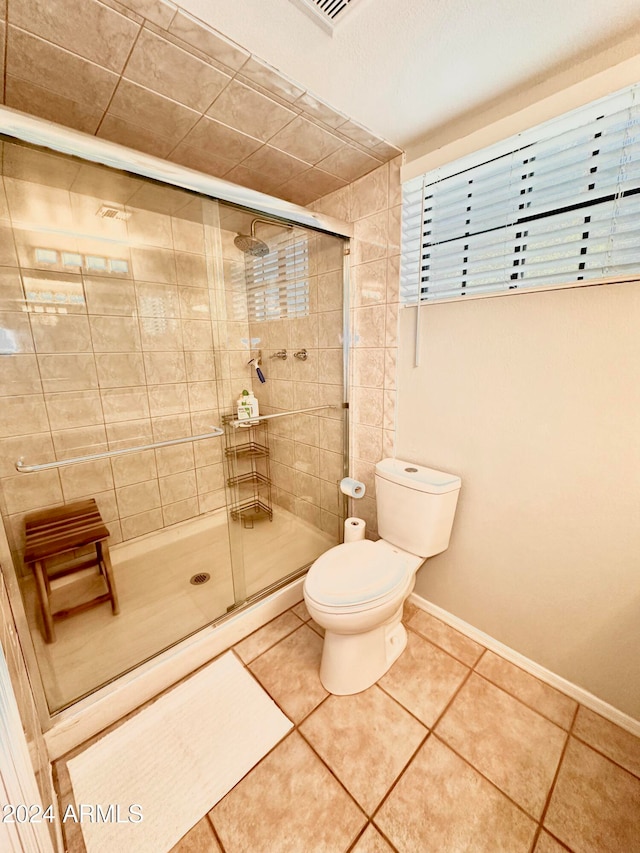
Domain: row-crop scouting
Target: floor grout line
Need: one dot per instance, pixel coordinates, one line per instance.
(432, 731)
(215, 832)
(526, 704)
(386, 838)
(400, 705)
(604, 754)
(275, 642)
(442, 648)
(560, 844)
(429, 732)
(521, 701)
(486, 778)
(555, 779)
(358, 837)
(338, 780)
(451, 700)
(400, 775)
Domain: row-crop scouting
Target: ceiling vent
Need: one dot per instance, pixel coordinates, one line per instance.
(326, 13)
(108, 212)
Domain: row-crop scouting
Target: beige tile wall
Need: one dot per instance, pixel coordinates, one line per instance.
(94, 359)
(373, 203)
(148, 75)
(307, 449)
(246, 122)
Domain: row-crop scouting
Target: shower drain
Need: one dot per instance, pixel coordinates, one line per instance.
(203, 577)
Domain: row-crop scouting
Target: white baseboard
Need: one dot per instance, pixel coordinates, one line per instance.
(569, 688)
(112, 702)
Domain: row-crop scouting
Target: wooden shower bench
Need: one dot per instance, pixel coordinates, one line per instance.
(55, 532)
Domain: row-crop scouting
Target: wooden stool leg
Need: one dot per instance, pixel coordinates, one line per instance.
(45, 607)
(105, 560)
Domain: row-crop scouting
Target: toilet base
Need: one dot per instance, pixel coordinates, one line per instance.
(353, 662)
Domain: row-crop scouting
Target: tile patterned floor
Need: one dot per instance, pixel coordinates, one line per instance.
(455, 749)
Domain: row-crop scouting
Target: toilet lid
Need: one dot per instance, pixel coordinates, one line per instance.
(354, 573)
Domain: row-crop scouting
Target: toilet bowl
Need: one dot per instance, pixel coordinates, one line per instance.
(356, 591)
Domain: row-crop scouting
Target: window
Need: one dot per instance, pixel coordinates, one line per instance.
(278, 283)
(557, 204)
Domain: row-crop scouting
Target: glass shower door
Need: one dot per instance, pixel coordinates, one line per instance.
(109, 341)
(284, 297)
(132, 319)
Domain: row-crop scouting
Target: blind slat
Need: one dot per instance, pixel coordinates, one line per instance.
(564, 206)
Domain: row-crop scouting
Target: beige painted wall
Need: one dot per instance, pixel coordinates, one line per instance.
(533, 399)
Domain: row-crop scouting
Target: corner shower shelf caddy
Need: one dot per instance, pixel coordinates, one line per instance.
(247, 464)
(248, 473)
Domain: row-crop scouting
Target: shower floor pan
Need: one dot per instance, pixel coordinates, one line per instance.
(159, 605)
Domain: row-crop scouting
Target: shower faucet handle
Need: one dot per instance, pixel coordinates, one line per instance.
(281, 353)
(302, 354)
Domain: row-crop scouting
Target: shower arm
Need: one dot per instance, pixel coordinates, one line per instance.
(76, 460)
(268, 222)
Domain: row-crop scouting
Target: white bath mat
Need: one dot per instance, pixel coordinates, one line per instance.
(174, 760)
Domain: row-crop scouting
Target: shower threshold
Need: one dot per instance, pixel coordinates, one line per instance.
(85, 718)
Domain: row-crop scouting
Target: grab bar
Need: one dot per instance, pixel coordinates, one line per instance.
(28, 469)
(236, 422)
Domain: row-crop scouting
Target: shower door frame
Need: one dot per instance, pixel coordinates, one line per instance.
(64, 140)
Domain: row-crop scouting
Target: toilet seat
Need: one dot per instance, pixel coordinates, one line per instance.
(357, 576)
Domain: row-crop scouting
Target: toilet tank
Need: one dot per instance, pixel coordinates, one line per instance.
(416, 506)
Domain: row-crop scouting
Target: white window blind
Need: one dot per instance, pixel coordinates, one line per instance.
(560, 204)
(277, 284)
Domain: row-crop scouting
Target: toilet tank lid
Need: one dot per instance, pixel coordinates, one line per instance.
(417, 476)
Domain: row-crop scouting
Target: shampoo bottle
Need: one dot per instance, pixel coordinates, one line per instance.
(247, 408)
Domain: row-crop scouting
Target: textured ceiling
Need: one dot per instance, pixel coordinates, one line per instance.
(409, 68)
(151, 77)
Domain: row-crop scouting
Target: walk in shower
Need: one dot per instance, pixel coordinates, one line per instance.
(134, 314)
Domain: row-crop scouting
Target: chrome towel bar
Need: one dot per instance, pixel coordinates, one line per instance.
(28, 469)
(237, 423)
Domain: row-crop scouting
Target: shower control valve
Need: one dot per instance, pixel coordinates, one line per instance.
(281, 353)
(302, 354)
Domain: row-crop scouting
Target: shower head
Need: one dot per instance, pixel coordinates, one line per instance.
(252, 245)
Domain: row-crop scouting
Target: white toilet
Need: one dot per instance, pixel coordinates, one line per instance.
(356, 591)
